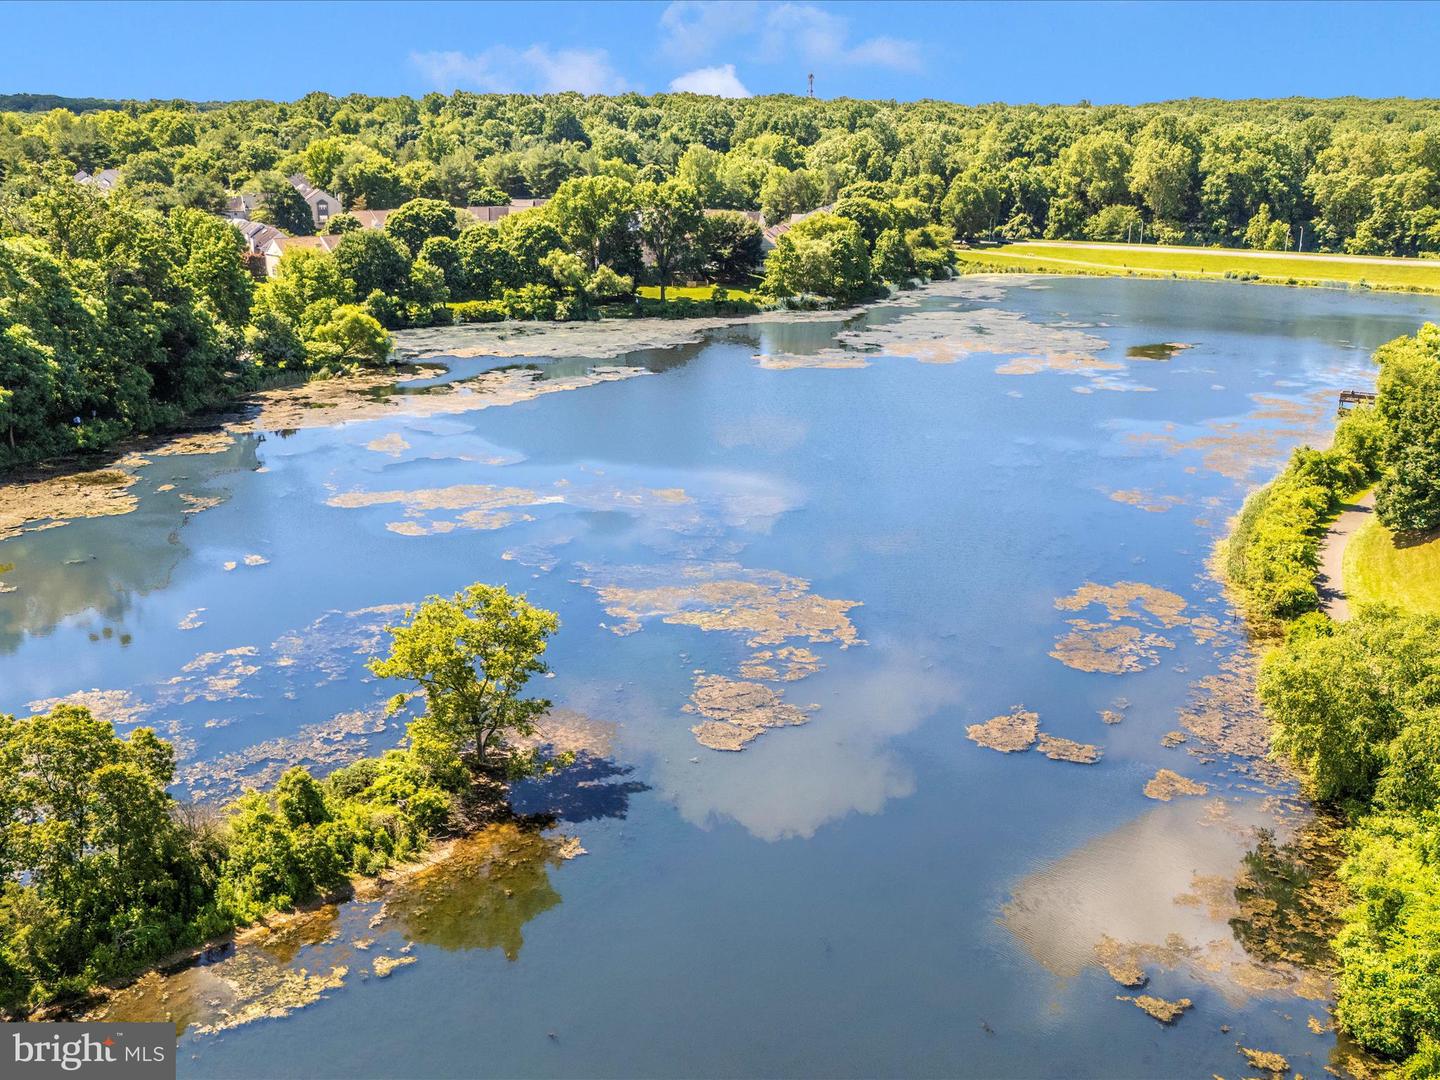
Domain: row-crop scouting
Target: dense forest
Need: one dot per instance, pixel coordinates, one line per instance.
(125, 309)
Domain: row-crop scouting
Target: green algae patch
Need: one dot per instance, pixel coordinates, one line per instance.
(1261, 438)
(52, 501)
(736, 713)
(1167, 1012)
(1159, 350)
(1009, 733)
(320, 747)
(1154, 504)
(767, 606)
(1265, 1060)
(393, 444)
(382, 966)
(1166, 784)
(352, 399)
(1129, 639)
(1058, 749)
(1109, 649)
(790, 663)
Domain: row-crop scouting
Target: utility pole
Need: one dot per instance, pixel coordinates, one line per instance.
(811, 79)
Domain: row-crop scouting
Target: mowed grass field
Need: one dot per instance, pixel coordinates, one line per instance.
(693, 292)
(1377, 571)
(1421, 275)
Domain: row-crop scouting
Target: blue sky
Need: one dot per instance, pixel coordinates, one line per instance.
(977, 52)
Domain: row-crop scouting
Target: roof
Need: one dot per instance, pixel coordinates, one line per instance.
(105, 179)
(370, 219)
(281, 244)
(772, 233)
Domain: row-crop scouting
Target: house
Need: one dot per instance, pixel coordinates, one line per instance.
(280, 244)
(240, 207)
(370, 219)
(256, 234)
(375, 219)
(103, 181)
(323, 205)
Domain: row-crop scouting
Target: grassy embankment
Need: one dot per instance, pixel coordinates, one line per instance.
(1147, 260)
(697, 292)
(1377, 570)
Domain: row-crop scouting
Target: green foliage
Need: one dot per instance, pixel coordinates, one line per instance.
(1356, 705)
(280, 204)
(98, 874)
(1272, 553)
(347, 336)
(371, 260)
(470, 657)
(101, 873)
(1407, 498)
(728, 247)
(1389, 949)
(823, 255)
(420, 219)
(668, 224)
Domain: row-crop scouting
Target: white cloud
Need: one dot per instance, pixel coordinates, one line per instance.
(693, 29)
(536, 70)
(719, 81)
(817, 36)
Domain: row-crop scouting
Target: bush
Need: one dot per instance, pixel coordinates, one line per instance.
(478, 311)
(1272, 552)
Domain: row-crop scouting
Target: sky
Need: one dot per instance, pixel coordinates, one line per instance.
(1114, 52)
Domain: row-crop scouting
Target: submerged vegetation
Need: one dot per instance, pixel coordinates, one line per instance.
(105, 873)
(1355, 704)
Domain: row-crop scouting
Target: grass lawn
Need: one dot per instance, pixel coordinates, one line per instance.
(1418, 274)
(693, 292)
(1376, 570)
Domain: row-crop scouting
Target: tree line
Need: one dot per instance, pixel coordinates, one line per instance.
(1356, 704)
(1355, 175)
(102, 872)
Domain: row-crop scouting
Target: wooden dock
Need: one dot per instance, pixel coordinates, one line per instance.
(1350, 398)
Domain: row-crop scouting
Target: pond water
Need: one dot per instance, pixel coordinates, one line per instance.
(993, 494)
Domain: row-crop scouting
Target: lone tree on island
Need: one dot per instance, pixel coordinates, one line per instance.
(470, 656)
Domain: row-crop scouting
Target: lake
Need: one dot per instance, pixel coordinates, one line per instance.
(863, 553)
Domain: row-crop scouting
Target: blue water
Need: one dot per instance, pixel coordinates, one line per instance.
(831, 900)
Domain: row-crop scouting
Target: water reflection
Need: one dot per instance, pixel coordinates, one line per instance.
(794, 785)
(101, 565)
(477, 893)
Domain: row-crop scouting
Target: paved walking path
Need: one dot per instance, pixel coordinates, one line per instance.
(1331, 580)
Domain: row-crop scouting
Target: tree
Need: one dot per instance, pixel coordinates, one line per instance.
(97, 875)
(823, 255)
(372, 259)
(347, 336)
(280, 204)
(486, 263)
(669, 220)
(1162, 173)
(371, 183)
(785, 193)
(729, 246)
(213, 264)
(470, 656)
(1407, 498)
(419, 220)
(301, 279)
(588, 210)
